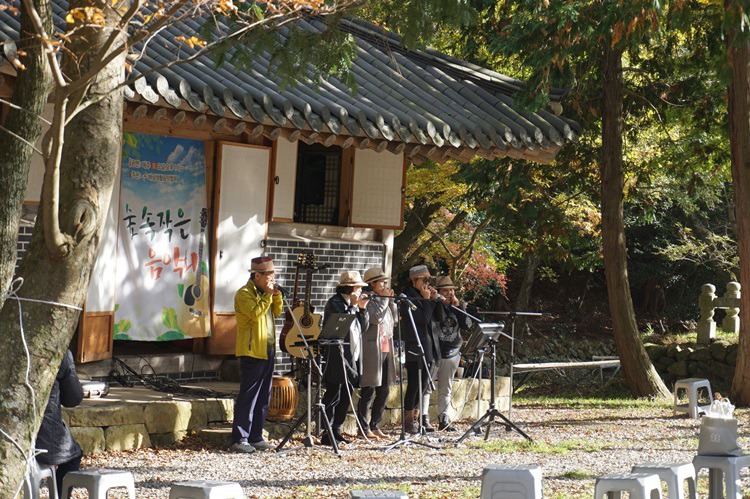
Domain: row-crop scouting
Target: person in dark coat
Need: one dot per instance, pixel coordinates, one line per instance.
(54, 435)
(378, 362)
(425, 314)
(345, 364)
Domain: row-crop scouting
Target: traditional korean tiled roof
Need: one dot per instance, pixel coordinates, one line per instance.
(422, 102)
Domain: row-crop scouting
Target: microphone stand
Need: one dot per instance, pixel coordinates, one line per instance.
(403, 439)
(308, 441)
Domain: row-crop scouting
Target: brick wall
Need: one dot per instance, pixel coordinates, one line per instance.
(339, 256)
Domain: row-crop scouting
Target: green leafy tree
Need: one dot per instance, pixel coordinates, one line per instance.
(586, 42)
(82, 72)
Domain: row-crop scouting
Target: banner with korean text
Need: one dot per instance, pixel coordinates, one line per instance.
(162, 254)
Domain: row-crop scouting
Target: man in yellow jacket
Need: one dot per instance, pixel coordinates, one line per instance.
(255, 305)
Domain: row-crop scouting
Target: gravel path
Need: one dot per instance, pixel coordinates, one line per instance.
(572, 444)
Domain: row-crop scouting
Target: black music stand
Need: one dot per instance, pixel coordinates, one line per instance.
(308, 441)
(336, 327)
(490, 334)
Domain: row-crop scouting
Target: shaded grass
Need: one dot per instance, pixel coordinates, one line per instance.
(564, 401)
(562, 447)
(577, 475)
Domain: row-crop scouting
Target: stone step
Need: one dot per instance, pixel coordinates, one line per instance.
(131, 418)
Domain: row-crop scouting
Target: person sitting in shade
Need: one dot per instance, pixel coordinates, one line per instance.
(54, 435)
(255, 305)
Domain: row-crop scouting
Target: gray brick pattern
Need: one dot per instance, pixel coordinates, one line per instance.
(339, 256)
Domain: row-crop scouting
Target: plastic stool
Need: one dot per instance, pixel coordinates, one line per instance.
(722, 470)
(691, 386)
(391, 494)
(674, 474)
(35, 473)
(199, 489)
(98, 482)
(511, 482)
(638, 485)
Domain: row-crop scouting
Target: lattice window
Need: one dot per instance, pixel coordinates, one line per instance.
(318, 185)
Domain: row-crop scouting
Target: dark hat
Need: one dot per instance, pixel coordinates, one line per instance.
(419, 271)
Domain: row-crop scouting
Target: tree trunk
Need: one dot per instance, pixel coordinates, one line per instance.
(406, 252)
(524, 292)
(30, 93)
(739, 129)
(90, 162)
(640, 375)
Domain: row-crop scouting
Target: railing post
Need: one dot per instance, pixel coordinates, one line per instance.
(706, 324)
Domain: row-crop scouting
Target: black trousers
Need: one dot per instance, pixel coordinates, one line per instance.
(63, 469)
(411, 395)
(374, 408)
(336, 403)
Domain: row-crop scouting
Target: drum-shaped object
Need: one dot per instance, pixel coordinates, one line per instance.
(283, 399)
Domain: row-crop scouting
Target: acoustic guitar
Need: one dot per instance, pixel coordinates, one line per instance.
(193, 316)
(307, 323)
(288, 318)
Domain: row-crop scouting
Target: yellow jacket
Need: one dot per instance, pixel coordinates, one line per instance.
(251, 308)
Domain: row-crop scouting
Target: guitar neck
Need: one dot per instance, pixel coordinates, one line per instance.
(199, 274)
(308, 290)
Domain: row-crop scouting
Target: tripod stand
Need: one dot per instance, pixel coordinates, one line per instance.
(492, 411)
(308, 441)
(513, 316)
(403, 439)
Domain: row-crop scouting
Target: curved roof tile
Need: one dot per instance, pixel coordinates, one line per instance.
(422, 102)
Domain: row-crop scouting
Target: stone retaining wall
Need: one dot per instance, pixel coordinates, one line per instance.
(122, 426)
(463, 396)
(715, 362)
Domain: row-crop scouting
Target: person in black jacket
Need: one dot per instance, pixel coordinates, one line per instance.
(450, 347)
(54, 436)
(339, 367)
(426, 312)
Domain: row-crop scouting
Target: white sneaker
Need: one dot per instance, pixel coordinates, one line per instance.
(242, 447)
(263, 445)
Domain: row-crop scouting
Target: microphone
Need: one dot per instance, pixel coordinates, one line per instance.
(408, 301)
(282, 289)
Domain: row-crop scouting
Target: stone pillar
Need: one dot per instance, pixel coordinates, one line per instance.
(731, 322)
(706, 324)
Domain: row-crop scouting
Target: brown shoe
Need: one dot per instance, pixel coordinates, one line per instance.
(368, 433)
(379, 433)
(412, 421)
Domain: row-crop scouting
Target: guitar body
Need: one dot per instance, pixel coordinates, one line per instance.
(194, 319)
(193, 316)
(309, 325)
